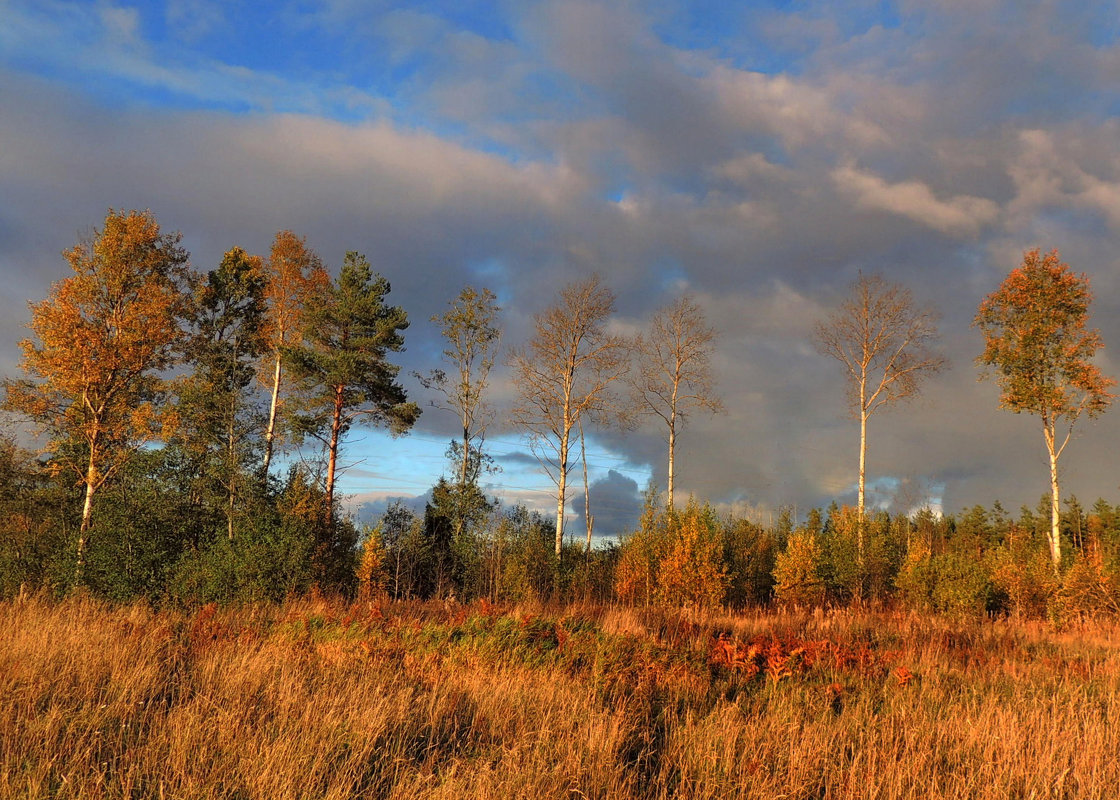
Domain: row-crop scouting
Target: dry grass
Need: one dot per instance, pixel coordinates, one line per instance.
(327, 700)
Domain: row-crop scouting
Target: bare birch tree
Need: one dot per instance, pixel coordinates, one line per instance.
(674, 374)
(883, 340)
(564, 374)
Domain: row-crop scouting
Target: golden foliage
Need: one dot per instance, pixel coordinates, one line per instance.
(371, 567)
(796, 572)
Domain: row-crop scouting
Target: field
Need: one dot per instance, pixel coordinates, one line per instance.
(325, 699)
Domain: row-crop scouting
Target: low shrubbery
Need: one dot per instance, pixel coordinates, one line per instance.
(153, 540)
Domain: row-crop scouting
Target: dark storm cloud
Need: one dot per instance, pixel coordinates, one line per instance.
(616, 503)
(933, 148)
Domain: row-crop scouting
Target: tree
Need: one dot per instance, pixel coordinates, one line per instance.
(227, 316)
(472, 335)
(1039, 350)
(295, 274)
(674, 372)
(882, 338)
(342, 364)
(564, 373)
(102, 338)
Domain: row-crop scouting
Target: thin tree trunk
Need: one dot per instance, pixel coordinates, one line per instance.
(270, 432)
(672, 450)
(332, 452)
(231, 461)
(466, 457)
(862, 467)
(87, 515)
(1055, 509)
(561, 491)
(460, 500)
(586, 490)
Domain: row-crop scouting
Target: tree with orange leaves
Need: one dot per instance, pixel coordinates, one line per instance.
(294, 274)
(1037, 346)
(101, 340)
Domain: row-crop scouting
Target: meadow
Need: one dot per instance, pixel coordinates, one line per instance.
(320, 698)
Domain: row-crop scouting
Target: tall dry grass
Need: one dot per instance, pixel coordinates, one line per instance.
(327, 700)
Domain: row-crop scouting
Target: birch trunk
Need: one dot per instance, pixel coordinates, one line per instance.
(270, 432)
(672, 449)
(561, 491)
(1055, 508)
(87, 516)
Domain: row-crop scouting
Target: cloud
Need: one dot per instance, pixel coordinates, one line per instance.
(1054, 170)
(761, 166)
(959, 215)
(616, 504)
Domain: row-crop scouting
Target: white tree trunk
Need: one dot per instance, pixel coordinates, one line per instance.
(1055, 508)
(87, 516)
(270, 433)
(862, 482)
(562, 478)
(672, 448)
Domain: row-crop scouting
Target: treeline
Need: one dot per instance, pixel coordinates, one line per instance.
(981, 561)
(166, 399)
(157, 541)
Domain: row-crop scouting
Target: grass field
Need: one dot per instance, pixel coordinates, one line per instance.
(320, 699)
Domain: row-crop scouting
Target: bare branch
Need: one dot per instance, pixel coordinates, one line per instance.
(564, 373)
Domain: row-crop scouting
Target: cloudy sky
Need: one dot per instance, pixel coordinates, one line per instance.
(756, 155)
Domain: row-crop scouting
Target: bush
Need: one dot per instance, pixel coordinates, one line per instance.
(797, 578)
(916, 579)
(692, 573)
(749, 553)
(1089, 587)
(1023, 580)
(961, 586)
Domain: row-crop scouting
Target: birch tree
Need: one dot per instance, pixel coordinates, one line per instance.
(101, 340)
(1038, 348)
(565, 373)
(674, 375)
(884, 340)
(472, 336)
(294, 274)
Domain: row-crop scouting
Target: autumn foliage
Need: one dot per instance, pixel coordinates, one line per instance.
(100, 343)
(1037, 346)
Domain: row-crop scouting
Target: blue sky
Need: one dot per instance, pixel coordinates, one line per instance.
(756, 155)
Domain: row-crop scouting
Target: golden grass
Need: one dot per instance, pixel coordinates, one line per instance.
(318, 699)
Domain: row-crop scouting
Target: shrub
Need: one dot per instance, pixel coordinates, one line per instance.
(1023, 580)
(961, 586)
(371, 566)
(1089, 587)
(916, 579)
(749, 552)
(692, 572)
(797, 579)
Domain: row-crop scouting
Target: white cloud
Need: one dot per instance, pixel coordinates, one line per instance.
(957, 216)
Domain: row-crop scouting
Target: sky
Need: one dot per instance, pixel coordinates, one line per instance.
(757, 156)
